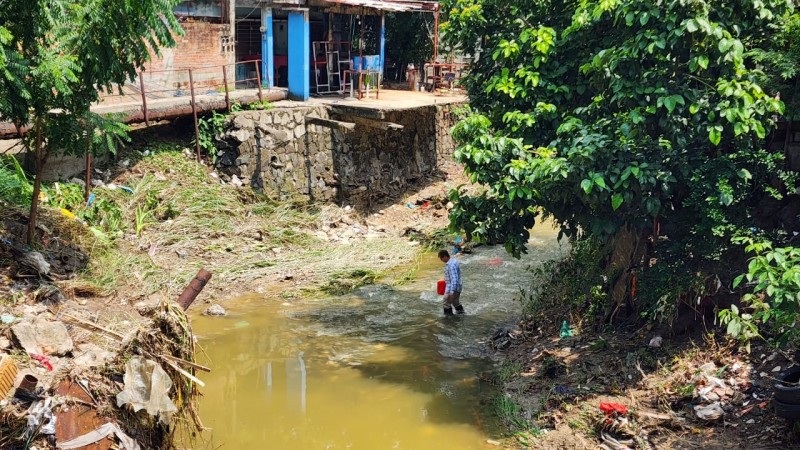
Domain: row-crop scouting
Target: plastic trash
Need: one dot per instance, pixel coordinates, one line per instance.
(102, 432)
(147, 386)
(91, 200)
(613, 408)
(565, 330)
(43, 361)
(41, 418)
(126, 189)
(7, 318)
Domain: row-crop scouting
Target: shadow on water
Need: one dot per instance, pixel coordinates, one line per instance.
(381, 368)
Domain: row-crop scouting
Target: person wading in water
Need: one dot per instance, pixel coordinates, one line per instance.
(452, 278)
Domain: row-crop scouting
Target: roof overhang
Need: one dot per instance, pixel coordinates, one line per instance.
(379, 5)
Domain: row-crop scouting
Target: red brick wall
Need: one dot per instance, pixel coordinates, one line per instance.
(200, 48)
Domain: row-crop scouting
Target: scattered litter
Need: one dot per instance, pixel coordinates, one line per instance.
(776, 369)
(104, 431)
(43, 360)
(565, 330)
(126, 189)
(91, 200)
(7, 318)
(41, 419)
(610, 408)
(147, 386)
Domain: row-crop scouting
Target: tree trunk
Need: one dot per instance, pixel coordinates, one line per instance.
(39, 160)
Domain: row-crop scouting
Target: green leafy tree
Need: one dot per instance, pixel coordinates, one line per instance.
(56, 56)
(611, 113)
(408, 39)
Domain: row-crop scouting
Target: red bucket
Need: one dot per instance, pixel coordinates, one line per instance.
(440, 287)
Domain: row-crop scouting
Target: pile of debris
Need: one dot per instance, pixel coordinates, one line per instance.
(72, 396)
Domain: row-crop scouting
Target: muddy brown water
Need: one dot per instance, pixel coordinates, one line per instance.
(377, 369)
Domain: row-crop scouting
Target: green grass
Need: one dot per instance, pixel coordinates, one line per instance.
(508, 371)
(15, 188)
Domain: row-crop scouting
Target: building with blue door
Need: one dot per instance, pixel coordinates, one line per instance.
(318, 46)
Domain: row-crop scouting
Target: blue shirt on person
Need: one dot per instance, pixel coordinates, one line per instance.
(452, 276)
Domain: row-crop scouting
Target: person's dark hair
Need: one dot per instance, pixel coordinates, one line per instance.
(444, 254)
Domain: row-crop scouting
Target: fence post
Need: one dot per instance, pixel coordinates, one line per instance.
(225, 80)
(144, 99)
(258, 78)
(194, 113)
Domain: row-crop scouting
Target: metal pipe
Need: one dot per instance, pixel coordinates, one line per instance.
(144, 99)
(193, 289)
(225, 80)
(194, 114)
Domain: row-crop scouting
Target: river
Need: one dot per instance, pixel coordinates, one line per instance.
(380, 368)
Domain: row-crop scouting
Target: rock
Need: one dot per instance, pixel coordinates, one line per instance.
(78, 181)
(42, 336)
(656, 342)
(776, 369)
(216, 310)
(235, 181)
(97, 183)
(90, 355)
(240, 135)
(708, 368)
(4, 343)
(709, 413)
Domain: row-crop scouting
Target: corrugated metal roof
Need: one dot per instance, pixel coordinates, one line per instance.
(390, 5)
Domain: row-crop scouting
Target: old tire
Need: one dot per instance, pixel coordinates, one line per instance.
(787, 388)
(787, 411)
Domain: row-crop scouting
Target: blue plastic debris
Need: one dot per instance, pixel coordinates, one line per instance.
(126, 189)
(91, 199)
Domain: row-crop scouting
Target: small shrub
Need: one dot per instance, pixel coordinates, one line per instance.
(774, 304)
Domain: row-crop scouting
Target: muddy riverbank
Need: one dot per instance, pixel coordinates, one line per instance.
(157, 217)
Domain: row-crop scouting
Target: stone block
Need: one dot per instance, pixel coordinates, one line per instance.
(300, 130)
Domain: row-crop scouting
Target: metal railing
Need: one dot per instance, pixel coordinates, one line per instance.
(194, 81)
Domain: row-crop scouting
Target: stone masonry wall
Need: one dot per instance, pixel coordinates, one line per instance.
(289, 151)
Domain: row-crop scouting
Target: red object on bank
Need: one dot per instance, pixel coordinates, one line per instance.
(440, 287)
(611, 408)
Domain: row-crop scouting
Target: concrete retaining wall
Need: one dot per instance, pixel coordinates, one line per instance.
(351, 155)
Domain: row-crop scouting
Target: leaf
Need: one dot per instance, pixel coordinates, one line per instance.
(737, 281)
(616, 201)
(586, 185)
(744, 174)
(598, 180)
(691, 25)
(694, 108)
(714, 135)
(702, 61)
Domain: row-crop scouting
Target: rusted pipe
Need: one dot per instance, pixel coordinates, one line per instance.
(144, 99)
(194, 114)
(193, 288)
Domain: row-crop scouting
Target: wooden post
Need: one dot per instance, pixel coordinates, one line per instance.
(258, 79)
(193, 288)
(227, 94)
(194, 114)
(144, 99)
